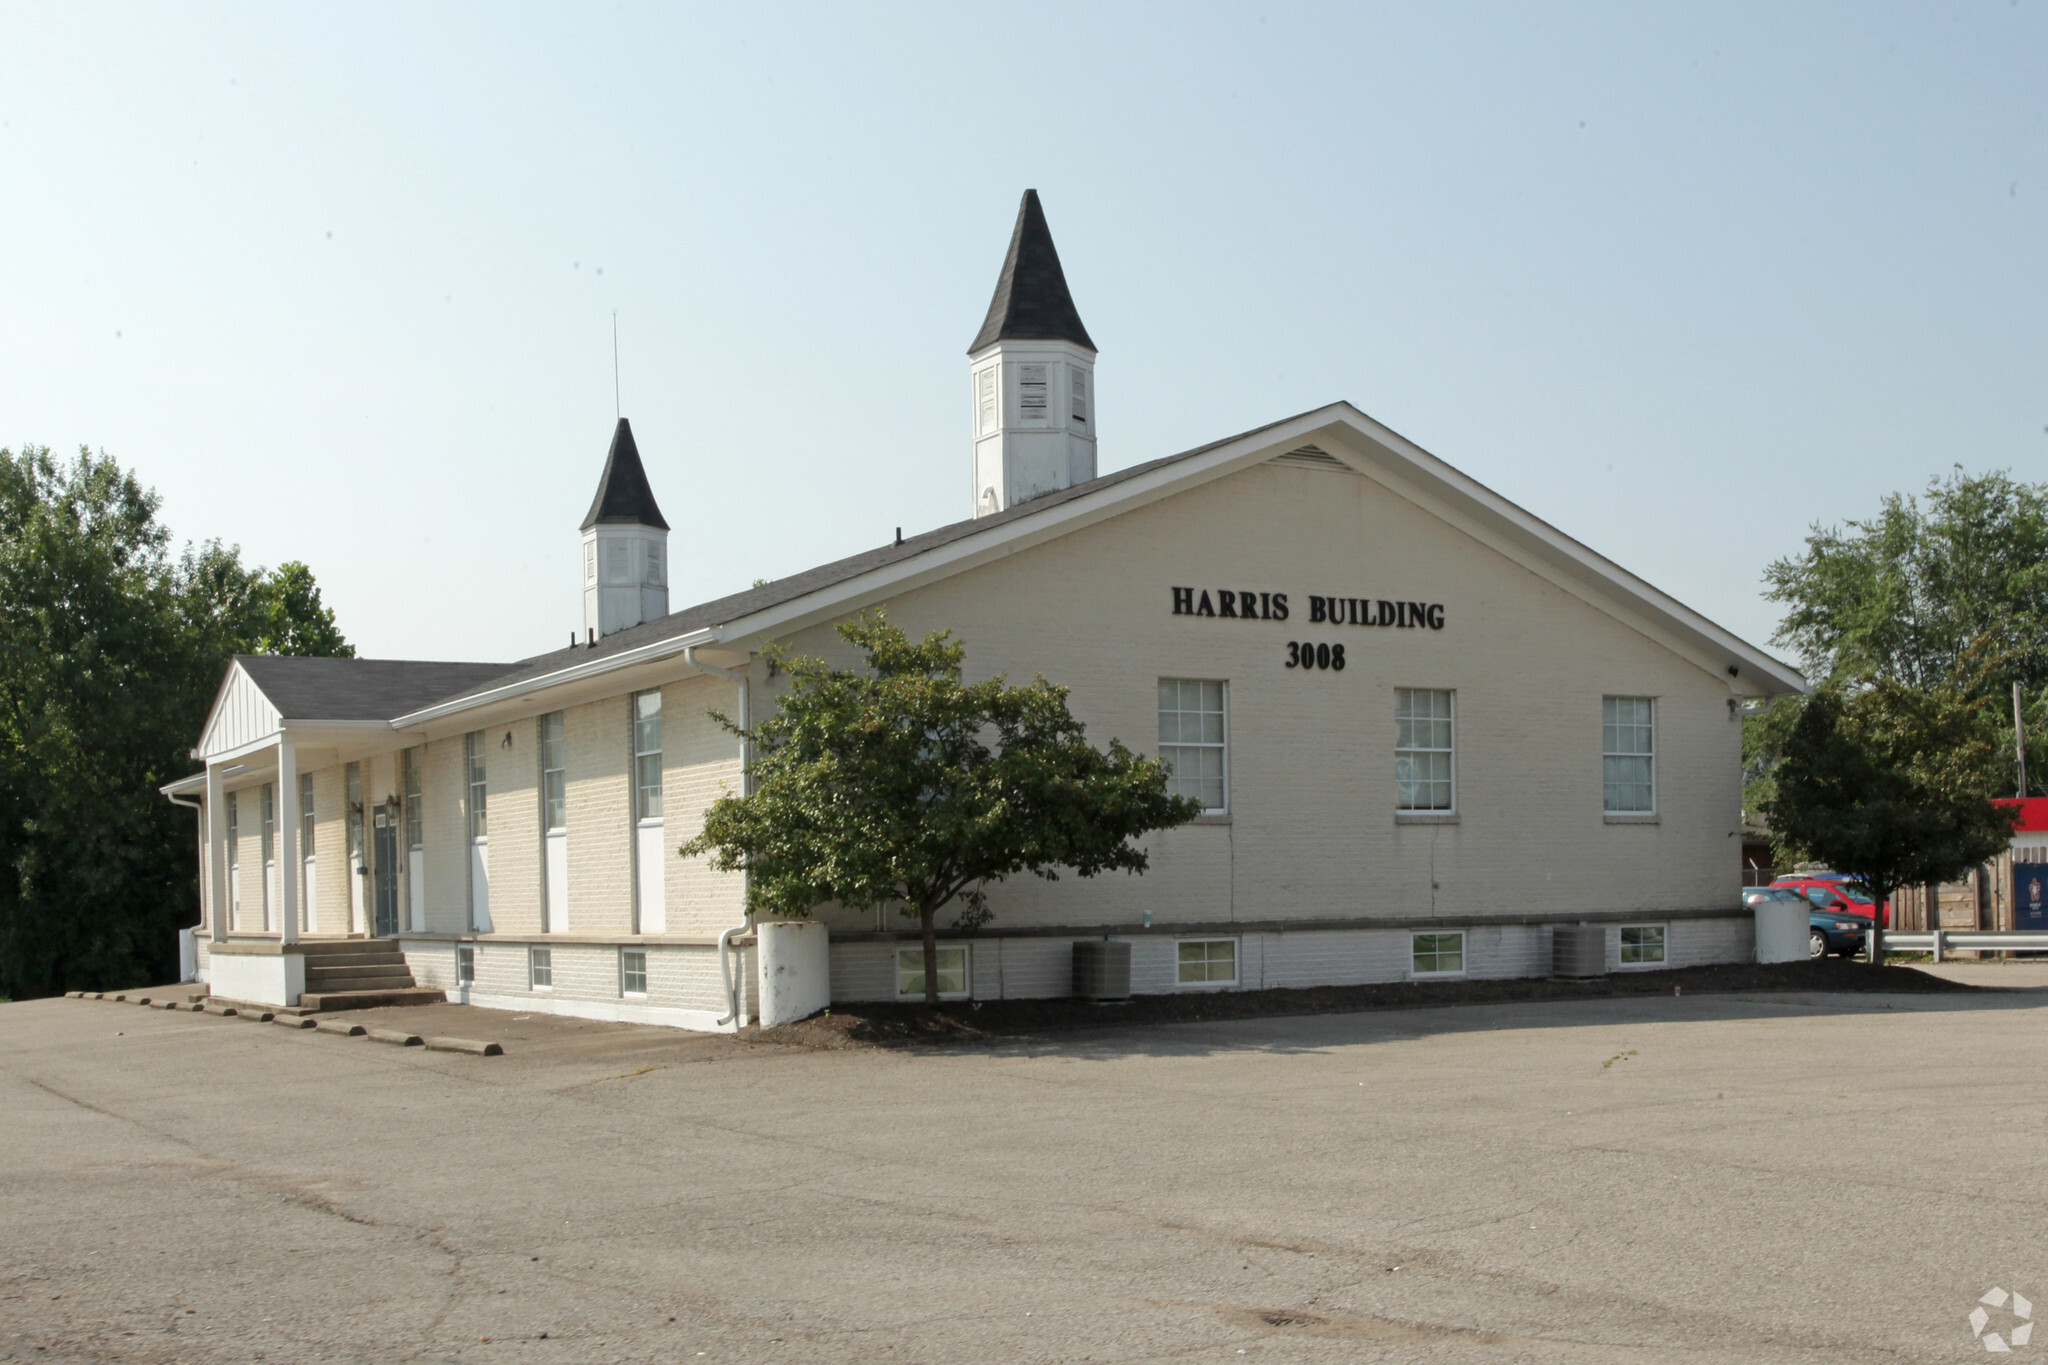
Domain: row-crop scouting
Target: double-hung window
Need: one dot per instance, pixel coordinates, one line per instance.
(1424, 766)
(234, 831)
(554, 774)
(479, 817)
(632, 971)
(540, 968)
(1628, 772)
(1192, 727)
(415, 836)
(647, 755)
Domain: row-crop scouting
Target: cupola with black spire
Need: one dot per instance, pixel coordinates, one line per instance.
(1033, 375)
(625, 544)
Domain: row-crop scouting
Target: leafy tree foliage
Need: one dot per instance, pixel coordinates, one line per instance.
(902, 784)
(1891, 782)
(1949, 589)
(110, 654)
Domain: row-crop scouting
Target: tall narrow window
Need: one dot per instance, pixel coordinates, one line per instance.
(415, 818)
(234, 831)
(1423, 768)
(305, 815)
(473, 751)
(269, 826)
(1031, 392)
(985, 400)
(1191, 739)
(353, 816)
(554, 773)
(1627, 766)
(647, 756)
(1077, 386)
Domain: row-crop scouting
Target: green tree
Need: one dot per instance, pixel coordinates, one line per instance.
(1891, 782)
(1924, 591)
(902, 784)
(110, 655)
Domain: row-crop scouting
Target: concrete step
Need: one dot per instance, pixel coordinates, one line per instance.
(378, 981)
(370, 999)
(354, 969)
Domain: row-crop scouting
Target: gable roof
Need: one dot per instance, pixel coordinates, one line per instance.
(1031, 301)
(623, 495)
(358, 689)
(1338, 436)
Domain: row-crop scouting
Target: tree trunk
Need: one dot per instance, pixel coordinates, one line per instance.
(1882, 897)
(928, 917)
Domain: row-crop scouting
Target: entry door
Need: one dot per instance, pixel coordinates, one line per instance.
(385, 864)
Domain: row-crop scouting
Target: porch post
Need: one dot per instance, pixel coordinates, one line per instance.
(289, 868)
(216, 871)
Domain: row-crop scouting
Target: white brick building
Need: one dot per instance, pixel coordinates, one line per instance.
(1429, 728)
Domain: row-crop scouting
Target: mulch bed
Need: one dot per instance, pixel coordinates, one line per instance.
(885, 1024)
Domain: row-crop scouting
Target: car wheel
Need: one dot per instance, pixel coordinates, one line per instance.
(1816, 943)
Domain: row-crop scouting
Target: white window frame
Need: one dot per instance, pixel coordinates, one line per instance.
(540, 961)
(559, 742)
(1663, 958)
(626, 989)
(1208, 984)
(646, 811)
(465, 964)
(1450, 751)
(1222, 747)
(415, 808)
(1464, 955)
(476, 789)
(915, 952)
(1607, 752)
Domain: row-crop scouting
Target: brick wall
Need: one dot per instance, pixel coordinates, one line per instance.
(598, 738)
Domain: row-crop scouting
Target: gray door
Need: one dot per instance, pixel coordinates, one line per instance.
(385, 862)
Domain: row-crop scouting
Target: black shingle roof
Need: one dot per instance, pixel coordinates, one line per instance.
(358, 689)
(385, 689)
(740, 604)
(622, 493)
(1031, 302)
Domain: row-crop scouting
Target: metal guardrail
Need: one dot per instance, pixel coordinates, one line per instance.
(1962, 940)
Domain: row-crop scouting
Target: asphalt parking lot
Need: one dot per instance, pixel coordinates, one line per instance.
(1705, 1179)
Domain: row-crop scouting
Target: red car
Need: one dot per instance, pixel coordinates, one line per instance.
(1833, 891)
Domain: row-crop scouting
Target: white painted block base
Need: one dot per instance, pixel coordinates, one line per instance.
(611, 1011)
(259, 978)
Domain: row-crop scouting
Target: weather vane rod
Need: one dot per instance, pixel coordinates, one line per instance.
(618, 413)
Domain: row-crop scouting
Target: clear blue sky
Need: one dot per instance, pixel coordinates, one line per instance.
(338, 280)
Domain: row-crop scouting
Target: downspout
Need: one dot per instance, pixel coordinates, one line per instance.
(732, 994)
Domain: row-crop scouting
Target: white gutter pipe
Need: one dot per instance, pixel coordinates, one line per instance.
(732, 993)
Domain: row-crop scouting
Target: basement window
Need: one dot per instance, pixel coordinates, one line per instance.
(632, 971)
(1642, 945)
(465, 965)
(1439, 954)
(540, 968)
(1207, 962)
(952, 972)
